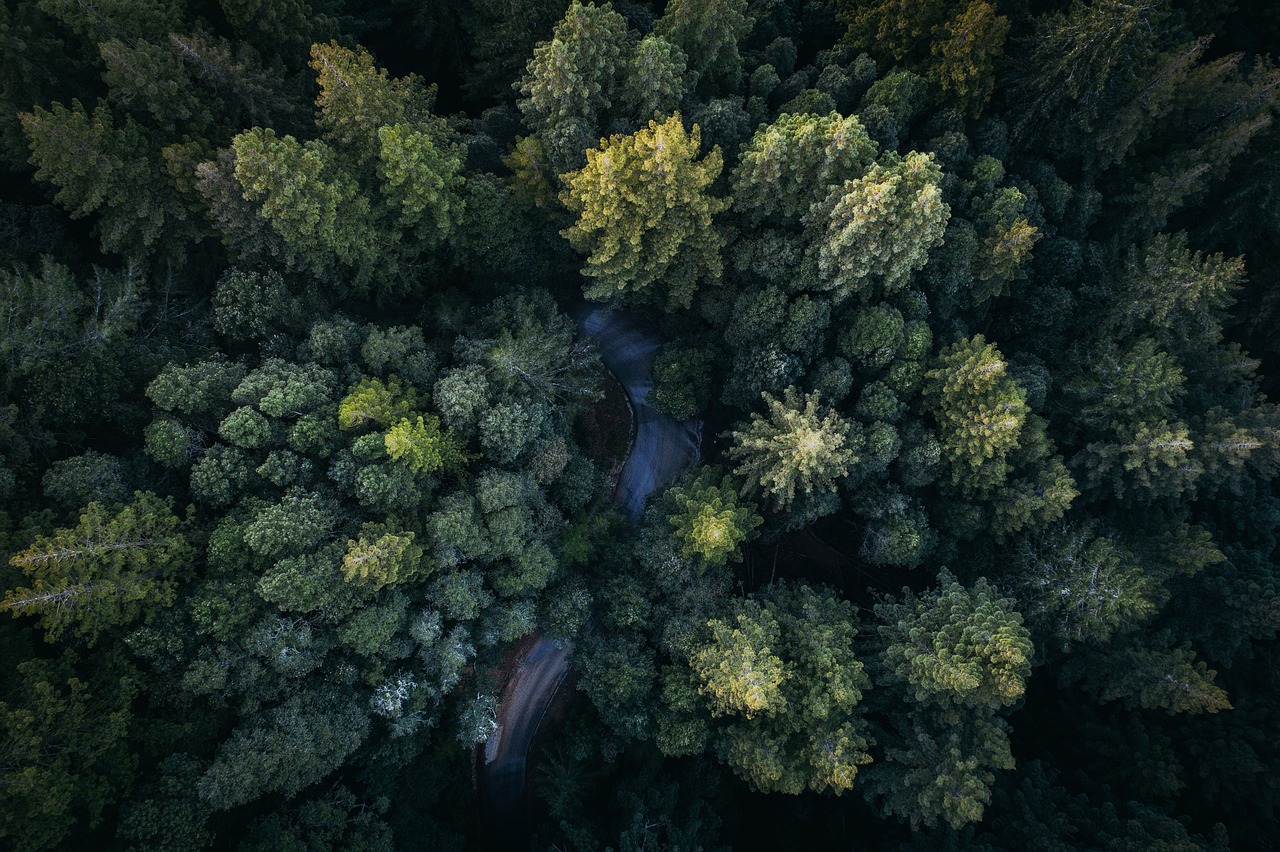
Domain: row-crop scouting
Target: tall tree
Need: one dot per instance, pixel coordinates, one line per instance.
(107, 571)
(801, 446)
(644, 215)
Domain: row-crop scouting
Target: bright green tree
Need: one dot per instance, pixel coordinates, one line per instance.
(800, 446)
(644, 216)
(708, 520)
(109, 570)
(381, 557)
(980, 411)
(373, 402)
(420, 445)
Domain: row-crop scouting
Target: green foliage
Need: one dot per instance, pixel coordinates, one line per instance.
(799, 446)
(794, 162)
(66, 751)
(423, 448)
(783, 677)
(374, 402)
(708, 522)
(570, 79)
(956, 646)
(644, 215)
(102, 165)
(980, 410)
(284, 749)
(878, 229)
(109, 570)
(383, 558)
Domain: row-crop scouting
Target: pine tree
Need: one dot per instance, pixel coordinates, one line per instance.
(956, 646)
(800, 446)
(980, 410)
(879, 228)
(708, 521)
(792, 164)
(109, 570)
(644, 216)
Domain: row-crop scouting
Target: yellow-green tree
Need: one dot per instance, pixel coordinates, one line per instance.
(980, 410)
(420, 445)
(644, 214)
(800, 446)
(709, 522)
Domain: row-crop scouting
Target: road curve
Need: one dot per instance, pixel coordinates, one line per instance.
(660, 447)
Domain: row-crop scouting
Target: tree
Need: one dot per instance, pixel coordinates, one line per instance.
(358, 100)
(644, 215)
(421, 179)
(967, 55)
(879, 228)
(102, 165)
(799, 446)
(708, 31)
(941, 771)
(284, 749)
(708, 521)
(793, 163)
(383, 558)
(782, 678)
(571, 79)
(373, 402)
(653, 82)
(1080, 586)
(955, 646)
(980, 411)
(65, 747)
(419, 444)
(107, 571)
(307, 198)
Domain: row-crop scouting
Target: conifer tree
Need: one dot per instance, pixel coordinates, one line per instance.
(800, 447)
(879, 228)
(980, 410)
(644, 216)
(107, 571)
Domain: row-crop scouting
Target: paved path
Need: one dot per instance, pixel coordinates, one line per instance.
(660, 448)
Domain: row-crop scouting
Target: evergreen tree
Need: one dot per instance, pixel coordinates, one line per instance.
(800, 446)
(107, 571)
(644, 215)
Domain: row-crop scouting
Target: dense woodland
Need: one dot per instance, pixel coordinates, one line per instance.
(977, 302)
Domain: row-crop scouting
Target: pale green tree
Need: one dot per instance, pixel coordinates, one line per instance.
(879, 228)
(791, 164)
(801, 446)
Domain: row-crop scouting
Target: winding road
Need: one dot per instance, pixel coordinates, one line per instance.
(660, 448)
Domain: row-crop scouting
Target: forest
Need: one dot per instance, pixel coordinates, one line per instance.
(973, 307)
